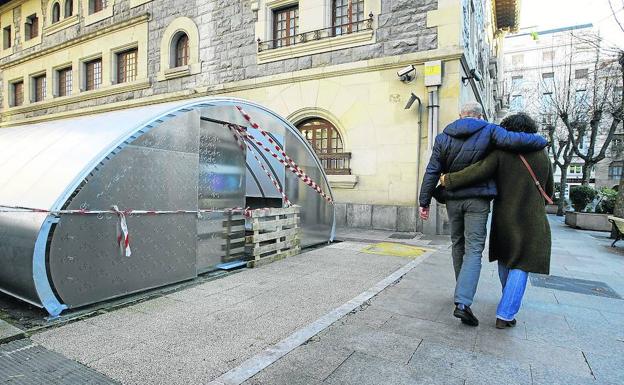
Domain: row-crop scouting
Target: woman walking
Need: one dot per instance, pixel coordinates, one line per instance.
(519, 233)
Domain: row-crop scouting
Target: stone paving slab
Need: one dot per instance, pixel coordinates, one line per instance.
(560, 338)
(363, 369)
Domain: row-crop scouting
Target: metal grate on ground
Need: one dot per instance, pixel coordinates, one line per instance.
(403, 236)
(24, 363)
(574, 285)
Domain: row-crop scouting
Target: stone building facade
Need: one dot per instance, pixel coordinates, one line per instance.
(330, 67)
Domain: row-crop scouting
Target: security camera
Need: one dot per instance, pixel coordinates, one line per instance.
(476, 75)
(407, 74)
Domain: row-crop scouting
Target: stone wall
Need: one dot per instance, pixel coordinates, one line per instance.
(378, 217)
(228, 43)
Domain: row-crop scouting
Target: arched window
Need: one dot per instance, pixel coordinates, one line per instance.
(181, 53)
(69, 8)
(56, 13)
(327, 143)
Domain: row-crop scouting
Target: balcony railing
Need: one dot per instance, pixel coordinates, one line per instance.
(337, 163)
(319, 34)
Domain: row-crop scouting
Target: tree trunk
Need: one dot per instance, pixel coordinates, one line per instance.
(587, 167)
(562, 189)
(619, 202)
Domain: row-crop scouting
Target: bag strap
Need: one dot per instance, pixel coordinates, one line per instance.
(537, 183)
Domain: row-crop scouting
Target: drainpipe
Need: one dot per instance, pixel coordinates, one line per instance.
(431, 226)
(411, 101)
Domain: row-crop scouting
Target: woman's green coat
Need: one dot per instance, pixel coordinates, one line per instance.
(520, 233)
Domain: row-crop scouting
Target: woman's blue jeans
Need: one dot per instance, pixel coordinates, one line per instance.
(514, 283)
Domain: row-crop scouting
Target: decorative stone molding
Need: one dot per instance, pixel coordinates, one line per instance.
(86, 95)
(342, 181)
(167, 49)
(97, 16)
(313, 112)
(60, 25)
(355, 39)
(136, 3)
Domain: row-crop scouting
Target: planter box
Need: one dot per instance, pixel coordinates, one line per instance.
(551, 209)
(588, 221)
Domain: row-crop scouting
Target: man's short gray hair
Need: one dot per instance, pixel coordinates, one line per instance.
(472, 109)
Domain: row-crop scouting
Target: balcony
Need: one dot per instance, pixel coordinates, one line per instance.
(337, 163)
(317, 35)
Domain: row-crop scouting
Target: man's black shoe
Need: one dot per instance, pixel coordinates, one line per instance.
(466, 316)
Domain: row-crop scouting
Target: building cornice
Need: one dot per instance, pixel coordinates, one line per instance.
(81, 39)
(84, 96)
(10, 5)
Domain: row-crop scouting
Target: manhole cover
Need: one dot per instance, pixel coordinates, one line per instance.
(395, 249)
(403, 236)
(574, 285)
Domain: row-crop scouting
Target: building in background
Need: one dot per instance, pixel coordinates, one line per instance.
(338, 70)
(538, 66)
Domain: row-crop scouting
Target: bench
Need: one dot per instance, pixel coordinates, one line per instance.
(618, 225)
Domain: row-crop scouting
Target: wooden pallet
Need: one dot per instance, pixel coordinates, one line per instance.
(274, 235)
(233, 237)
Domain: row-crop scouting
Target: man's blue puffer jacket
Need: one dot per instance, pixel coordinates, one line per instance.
(467, 141)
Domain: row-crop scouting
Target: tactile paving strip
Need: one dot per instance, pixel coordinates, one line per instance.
(23, 362)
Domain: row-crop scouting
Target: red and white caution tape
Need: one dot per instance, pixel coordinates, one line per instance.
(123, 236)
(240, 140)
(287, 161)
(128, 212)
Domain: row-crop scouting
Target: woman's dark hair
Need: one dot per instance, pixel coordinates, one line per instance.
(519, 122)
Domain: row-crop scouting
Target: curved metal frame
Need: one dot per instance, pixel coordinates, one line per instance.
(41, 282)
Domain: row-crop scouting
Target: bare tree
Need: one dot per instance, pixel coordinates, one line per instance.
(619, 203)
(562, 155)
(597, 115)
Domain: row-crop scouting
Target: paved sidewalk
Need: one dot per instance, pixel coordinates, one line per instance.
(195, 335)
(408, 336)
(404, 335)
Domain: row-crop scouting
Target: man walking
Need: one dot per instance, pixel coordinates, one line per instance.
(462, 143)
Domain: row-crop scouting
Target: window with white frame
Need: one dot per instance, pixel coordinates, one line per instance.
(7, 40)
(347, 16)
(285, 25)
(31, 27)
(65, 81)
(39, 85)
(17, 93)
